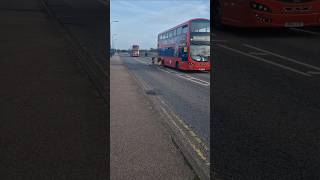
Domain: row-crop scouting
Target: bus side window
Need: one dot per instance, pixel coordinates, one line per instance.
(185, 29)
(179, 30)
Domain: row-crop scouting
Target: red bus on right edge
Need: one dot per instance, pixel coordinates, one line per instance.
(266, 13)
(186, 46)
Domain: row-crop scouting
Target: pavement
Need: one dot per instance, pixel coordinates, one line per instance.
(53, 122)
(141, 145)
(266, 104)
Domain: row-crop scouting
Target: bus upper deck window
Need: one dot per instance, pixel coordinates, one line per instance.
(185, 29)
(179, 30)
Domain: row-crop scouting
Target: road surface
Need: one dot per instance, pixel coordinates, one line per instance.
(266, 97)
(187, 93)
(53, 121)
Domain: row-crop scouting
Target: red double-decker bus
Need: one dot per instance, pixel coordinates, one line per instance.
(186, 46)
(266, 13)
(135, 51)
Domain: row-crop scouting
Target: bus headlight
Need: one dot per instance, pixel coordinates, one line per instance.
(260, 7)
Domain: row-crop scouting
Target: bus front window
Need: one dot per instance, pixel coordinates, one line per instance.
(200, 26)
(200, 52)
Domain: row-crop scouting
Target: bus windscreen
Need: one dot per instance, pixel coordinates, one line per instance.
(200, 26)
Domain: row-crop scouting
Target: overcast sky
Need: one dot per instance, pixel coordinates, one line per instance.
(140, 21)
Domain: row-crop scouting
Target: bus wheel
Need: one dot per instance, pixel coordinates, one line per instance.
(217, 14)
(177, 65)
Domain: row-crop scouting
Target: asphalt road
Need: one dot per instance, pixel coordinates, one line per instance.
(187, 93)
(266, 104)
(53, 121)
(86, 20)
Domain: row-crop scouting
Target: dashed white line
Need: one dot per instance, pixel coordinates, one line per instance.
(264, 60)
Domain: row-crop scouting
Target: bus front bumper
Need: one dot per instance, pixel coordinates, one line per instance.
(197, 67)
(260, 19)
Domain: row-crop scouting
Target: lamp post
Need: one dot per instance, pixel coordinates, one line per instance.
(114, 45)
(112, 41)
(110, 32)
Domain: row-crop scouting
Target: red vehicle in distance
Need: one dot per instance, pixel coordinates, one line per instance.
(135, 51)
(266, 13)
(186, 46)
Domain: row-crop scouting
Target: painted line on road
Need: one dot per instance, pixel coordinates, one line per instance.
(306, 31)
(264, 60)
(283, 57)
(143, 62)
(191, 77)
(187, 77)
(198, 151)
(314, 72)
(192, 133)
(258, 53)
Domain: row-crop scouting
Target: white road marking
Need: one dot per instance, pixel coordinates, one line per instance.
(283, 57)
(192, 79)
(265, 60)
(313, 72)
(258, 53)
(306, 31)
(188, 76)
(143, 62)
